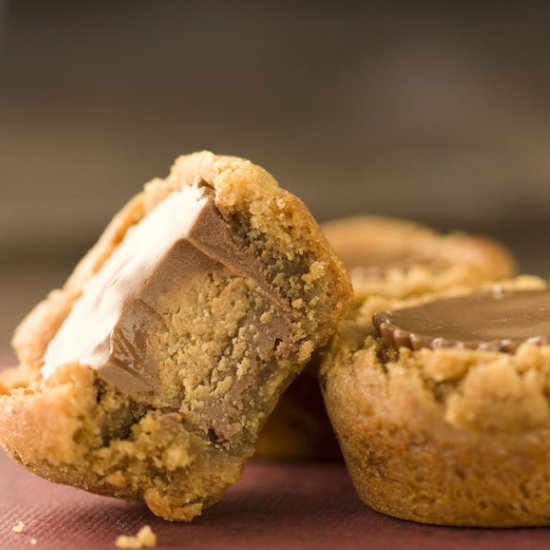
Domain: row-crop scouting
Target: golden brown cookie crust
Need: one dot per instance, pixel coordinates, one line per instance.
(74, 428)
(392, 263)
(237, 182)
(413, 258)
(447, 436)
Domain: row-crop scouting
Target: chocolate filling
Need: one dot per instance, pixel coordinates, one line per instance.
(492, 321)
(183, 238)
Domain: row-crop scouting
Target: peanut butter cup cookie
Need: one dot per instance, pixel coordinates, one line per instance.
(391, 262)
(149, 375)
(399, 259)
(443, 413)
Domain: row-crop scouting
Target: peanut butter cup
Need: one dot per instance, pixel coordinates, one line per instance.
(111, 326)
(492, 321)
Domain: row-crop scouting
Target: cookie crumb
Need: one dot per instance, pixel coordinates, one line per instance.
(33, 541)
(144, 537)
(18, 527)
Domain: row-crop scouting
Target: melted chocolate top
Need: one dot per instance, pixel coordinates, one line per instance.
(492, 321)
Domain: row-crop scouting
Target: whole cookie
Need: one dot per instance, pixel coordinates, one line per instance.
(391, 262)
(442, 414)
(149, 375)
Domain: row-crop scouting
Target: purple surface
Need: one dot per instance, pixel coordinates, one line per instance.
(274, 506)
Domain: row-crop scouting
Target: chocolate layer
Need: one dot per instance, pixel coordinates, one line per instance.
(183, 238)
(492, 321)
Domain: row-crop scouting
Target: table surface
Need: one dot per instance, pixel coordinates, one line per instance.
(273, 506)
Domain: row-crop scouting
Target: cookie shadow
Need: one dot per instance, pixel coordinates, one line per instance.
(287, 493)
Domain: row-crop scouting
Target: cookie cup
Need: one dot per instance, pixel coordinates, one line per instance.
(447, 436)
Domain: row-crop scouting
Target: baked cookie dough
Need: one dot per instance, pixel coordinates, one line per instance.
(442, 413)
(391, 262)
(149, 375)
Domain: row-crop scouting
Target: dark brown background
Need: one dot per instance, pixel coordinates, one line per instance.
(423, 110)
(432, 112)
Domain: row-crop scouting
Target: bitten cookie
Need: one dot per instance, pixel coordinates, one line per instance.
(443, 413)
(149, 375)
(391, 262)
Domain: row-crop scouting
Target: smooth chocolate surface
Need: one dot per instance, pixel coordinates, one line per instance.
(493, 321)
(108, 328)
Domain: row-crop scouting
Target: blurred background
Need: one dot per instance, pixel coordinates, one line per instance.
(409, 109)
